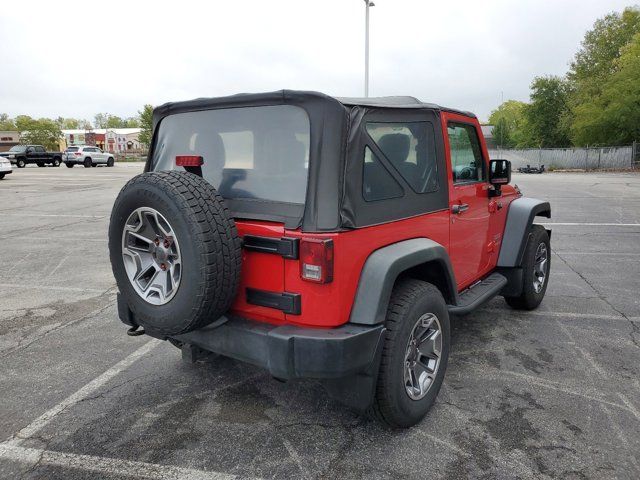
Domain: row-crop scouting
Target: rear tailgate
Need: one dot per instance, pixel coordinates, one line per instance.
(262, 274)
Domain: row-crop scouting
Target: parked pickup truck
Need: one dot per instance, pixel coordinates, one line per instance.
(21, 155)
(327, 238)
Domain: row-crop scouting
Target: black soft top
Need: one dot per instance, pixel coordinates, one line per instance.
(281, 96)
(334, 194)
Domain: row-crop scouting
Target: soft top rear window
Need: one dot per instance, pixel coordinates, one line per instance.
(259, 153)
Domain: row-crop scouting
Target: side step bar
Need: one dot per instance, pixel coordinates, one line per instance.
(480, 293)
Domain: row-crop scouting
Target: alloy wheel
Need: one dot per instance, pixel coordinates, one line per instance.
(540, 267)
(151, 256)
(422, 358)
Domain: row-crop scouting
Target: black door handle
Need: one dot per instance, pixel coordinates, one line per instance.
(459, 208)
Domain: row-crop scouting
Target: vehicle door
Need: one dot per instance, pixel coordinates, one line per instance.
(40, 154)
(101, 155)
(469, 227)
(91, 152)
(31, 154)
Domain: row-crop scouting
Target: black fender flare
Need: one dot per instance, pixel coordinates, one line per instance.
(520, 217)
(382, 269)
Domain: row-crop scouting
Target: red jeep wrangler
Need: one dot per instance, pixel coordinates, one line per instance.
(322, 237)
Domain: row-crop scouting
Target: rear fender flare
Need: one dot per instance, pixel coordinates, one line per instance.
(520, 217)
(385, 265)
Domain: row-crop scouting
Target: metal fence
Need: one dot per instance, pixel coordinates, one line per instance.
(590, 158)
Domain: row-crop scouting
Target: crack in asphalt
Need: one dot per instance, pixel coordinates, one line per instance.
(22, 345)
(635, 329)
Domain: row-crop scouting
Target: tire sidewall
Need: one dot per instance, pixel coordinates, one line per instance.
(413, 410)
(538, 235)
(168, 317)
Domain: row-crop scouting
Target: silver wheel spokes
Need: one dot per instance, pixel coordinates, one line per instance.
(151, 256)
(422, 357)
(540, 267)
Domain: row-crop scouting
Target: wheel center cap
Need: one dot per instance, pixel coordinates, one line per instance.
(161, 254)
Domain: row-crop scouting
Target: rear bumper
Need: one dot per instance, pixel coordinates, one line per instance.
(292, 352)
(286, 351)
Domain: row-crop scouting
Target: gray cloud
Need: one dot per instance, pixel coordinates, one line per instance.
(77, 58)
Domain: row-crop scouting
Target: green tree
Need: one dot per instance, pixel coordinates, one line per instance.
(601, 46)
(132, 122)
(613, 116)
(146, 124)
(7, 123)
(546, 112)
(114, 121)
(509, 124)
(100, 120)
(594, 63)
(43, 131)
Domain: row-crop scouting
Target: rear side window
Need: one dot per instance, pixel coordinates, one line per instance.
(467, 163)
(410, 148)
(377, 182)
(259, 153)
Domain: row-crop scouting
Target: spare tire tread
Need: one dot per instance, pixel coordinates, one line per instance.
(215, 236)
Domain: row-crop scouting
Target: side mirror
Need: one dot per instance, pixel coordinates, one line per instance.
(499, 174)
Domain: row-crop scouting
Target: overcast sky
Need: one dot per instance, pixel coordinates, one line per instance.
(77, 58)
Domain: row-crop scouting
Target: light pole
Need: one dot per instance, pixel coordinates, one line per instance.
(366, 48)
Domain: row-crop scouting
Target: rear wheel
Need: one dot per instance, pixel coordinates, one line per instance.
(110, 162)
(415, 355)
(69, 165)
(87, 163)
(56, 162)
(536, 263)
(1, 176)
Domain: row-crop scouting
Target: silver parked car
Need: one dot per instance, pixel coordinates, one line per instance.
(5, 167)
(87, 156)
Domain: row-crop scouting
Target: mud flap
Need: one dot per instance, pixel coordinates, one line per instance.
(357, 391)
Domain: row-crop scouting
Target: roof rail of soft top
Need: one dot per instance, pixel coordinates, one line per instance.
(398, 102)
(244, 99)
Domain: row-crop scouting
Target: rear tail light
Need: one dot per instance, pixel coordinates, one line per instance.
(189, 161)
(77, 154)
(316, 260)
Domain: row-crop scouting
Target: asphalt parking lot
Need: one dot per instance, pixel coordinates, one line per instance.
(553, 393)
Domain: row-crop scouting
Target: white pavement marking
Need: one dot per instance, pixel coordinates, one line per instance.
(586, 355)
(629, 405)
(106, 466)
(57, 267)
(551, 385)
(561, 315)
(51, 215)
(52, 287)
(599, 254)
(579, 224)
(295, 457)
(42, 421)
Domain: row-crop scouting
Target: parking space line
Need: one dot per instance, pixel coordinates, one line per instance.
(52, 287)
(588, 224)
(551, 385)
(586, 355)
(106, 466)
(52, 215)
(42, 421)
(561, 315)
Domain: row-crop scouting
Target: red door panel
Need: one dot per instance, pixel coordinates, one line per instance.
(469, 226)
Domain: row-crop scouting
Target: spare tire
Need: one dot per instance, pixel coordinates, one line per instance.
(175, 251)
